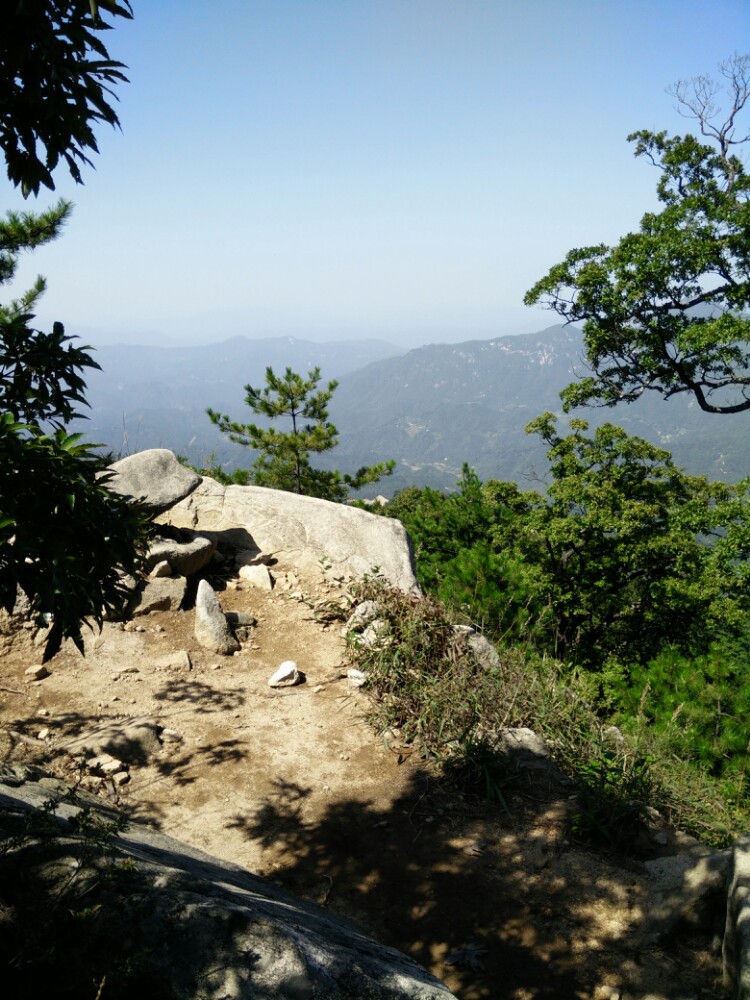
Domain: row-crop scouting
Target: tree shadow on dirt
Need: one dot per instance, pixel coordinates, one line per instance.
(489, 898)
(202, 698)
(82, 736)
(105, 909)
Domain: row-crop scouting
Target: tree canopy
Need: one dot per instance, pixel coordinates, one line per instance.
(65, 539)
(283, 462)
(56, 84)
(665, 310)
(623, 555)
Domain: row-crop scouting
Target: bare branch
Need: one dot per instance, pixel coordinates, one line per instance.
(696, 99)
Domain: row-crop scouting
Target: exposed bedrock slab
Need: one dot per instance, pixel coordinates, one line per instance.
(209, 928)
(300, 530)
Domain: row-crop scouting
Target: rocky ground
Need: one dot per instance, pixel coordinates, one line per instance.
(293, 784)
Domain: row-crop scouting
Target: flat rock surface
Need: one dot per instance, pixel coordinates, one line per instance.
(294, 785)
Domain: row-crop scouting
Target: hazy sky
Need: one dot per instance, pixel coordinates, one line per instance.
(404, 169)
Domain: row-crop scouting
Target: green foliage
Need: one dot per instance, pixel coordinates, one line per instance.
(465, 555)
(284, 459)
(429, 687)
(624, 548)
(615, 790)
(636, 575)
(429, 694)
(430, 690)
(56, 81)
(698, 706)
(665, 309)
(65, 540)
(624, 554)
(40, 380)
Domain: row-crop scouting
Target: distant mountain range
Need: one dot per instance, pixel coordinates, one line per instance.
(432, 409)
(156, 397)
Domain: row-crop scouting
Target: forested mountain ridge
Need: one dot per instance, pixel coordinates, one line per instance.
(156, 396)
(432, 408)
(440, 406)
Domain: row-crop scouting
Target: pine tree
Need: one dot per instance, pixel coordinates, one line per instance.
(283, 462)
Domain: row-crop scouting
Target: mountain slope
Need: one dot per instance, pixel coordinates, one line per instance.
(147, 397)
(431, 409)
(440, 406)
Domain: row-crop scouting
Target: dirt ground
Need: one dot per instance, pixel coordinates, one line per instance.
(294, 784)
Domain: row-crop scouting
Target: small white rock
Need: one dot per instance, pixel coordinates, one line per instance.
(364, 613)
(286, 676)
(357, 678)
(376, 635)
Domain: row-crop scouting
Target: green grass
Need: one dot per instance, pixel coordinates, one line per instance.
(426, 683)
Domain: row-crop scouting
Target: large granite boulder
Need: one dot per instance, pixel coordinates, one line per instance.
(301, 530)
(154, 477)
(176, 921)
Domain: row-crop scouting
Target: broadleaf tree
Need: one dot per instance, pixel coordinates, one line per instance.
(633, 552)
(56, 83)
(624, 555)
(65, 539)
(665, 309)
(283, 462)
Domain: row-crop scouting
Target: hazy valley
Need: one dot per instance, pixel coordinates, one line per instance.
(432, 408)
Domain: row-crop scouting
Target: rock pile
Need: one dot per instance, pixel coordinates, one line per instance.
(201, 524)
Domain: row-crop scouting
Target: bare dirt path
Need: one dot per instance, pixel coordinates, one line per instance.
(293, 784)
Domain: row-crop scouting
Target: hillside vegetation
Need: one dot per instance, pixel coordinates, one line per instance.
(618, 602)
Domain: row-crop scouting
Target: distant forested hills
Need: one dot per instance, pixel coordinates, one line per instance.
(156, 397)
(432, 409)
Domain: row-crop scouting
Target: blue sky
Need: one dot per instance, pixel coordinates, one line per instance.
(404, 169)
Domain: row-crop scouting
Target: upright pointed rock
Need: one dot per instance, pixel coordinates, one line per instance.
(211, 627)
